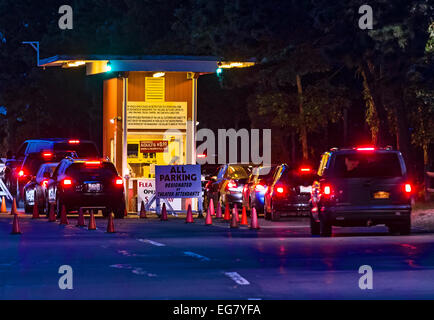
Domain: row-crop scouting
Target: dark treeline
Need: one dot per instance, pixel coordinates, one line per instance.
(320, 80)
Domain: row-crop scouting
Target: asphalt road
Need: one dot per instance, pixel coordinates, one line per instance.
(151, 259)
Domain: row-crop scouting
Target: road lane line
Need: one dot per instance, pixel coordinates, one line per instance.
(155, 243)
(197, 256)
(237, 278)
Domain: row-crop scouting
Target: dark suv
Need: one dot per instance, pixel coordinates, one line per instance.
(42, 150)
(78, 183)
(361, 187)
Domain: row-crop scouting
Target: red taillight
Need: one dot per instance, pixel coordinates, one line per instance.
(407, 188)
(327, 190)
(201, 156)
(67, 182)
(365, 149)
(260, 187)
(20, 173)
(280, 190)
(119, 181)
(44, 183)
(305, 169)
(232, 185)
(74, 141)
(47, 154)
(92, 163)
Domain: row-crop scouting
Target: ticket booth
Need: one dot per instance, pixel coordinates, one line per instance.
(149, 110)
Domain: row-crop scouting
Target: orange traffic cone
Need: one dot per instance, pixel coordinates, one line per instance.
(3, 207)
(142, 211)
(51, 214)
(211, 206)
(14, 207)
(16, 225)
(208, 219)
(35, 214)
(234, 220)
(254, 222)
(244, 221)
(80, 220)
(219, 211)
(189, 218)
(164, 213)
(227, 216)
(92, 224)
(63, 217)
(110, 225)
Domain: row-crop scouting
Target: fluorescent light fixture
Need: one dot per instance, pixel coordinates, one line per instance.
(158, 74)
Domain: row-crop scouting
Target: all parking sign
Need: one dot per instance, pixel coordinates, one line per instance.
(178, 181)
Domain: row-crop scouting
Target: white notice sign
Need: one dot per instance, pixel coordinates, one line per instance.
(156, 115)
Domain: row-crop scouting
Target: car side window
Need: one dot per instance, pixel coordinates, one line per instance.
(41, 171)
(22, 150)
(323, 164)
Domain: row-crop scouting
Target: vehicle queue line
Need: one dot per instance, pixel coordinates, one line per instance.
(234, 220)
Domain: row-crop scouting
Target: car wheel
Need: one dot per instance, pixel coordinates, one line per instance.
(401, 228)
(119, 211)
(325, 228)
(314, 227)
(275, 216)
(28, 209)
(59, 205)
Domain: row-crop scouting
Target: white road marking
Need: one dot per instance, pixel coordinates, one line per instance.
(155, 243)
(237, 278)
(197, 256)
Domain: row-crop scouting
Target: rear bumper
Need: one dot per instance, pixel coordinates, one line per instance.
(358, 215)
(288, 207)
(108, 200)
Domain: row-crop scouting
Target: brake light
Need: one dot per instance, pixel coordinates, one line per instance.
(407, 188)
(92, 163)
(260, 187)
(67, 182)
(201, 155)
(232, 185)
(305, 169)
(365, 149)
(119, 181)
(280, 190)
(20, 173)
(327, 190)
(47, 154)
(74, 141)
(44, 183)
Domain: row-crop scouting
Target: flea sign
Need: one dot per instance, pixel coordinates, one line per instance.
(178, 181)
(145, 192)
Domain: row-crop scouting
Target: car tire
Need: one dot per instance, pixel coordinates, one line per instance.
(275, 216)
(314, 227)
(119, 212)
(400, 228)
(28, 209)
(58, 210)
(325, 228)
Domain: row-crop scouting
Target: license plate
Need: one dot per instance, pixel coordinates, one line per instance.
(307, 189)
(381, 195)
(93, 187)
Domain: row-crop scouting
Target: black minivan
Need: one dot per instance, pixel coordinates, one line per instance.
(361, 187)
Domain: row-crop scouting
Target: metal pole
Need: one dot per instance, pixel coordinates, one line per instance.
(124, 140)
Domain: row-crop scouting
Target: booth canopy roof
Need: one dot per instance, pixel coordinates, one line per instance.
(164, 63)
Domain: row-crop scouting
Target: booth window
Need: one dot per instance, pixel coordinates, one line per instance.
(133, 150)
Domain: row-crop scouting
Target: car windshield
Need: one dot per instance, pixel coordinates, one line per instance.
(367, 165)
(83, 149)
(238, 172)
(81, 171)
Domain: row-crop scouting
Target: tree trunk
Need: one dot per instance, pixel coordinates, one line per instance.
(425, 170)
(402, 135)
(303, 131)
